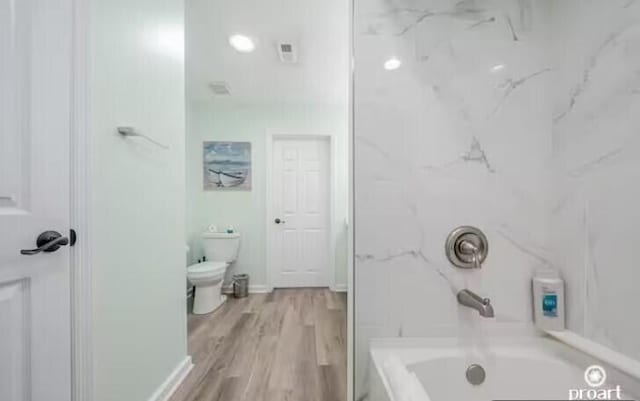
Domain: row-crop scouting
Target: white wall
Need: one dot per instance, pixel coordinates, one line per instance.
(137, 209)
(596, 144)
(245, 210)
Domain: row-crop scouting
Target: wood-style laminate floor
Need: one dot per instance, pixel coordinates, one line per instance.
(289, 345)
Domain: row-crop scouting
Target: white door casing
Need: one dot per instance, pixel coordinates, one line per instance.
(300, 198)
(35, 115)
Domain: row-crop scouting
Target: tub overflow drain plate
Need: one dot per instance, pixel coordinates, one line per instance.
(476, 374)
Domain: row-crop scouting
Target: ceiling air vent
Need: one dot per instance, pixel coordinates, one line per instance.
(287, 52)
(220, 88)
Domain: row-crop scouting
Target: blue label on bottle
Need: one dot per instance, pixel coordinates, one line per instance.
(550, 305)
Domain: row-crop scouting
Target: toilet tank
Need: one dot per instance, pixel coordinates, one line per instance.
(220, 247)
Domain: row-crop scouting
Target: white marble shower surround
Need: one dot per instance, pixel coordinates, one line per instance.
(502, 116)
(596, 129)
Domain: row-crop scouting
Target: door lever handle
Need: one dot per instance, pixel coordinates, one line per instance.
(48, 241)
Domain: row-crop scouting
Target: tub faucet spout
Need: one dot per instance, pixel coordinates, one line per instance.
(472, 300)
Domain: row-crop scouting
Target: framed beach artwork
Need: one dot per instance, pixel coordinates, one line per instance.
(226, 165)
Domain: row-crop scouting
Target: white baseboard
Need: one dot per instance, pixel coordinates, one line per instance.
(339, 288)
(262, 289)
(253, 289)
(170, 385)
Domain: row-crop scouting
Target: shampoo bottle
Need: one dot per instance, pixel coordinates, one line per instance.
(548, 300)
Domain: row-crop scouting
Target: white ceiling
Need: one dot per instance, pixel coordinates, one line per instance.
(318, 27)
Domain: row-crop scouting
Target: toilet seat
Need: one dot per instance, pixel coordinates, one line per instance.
(207, 269)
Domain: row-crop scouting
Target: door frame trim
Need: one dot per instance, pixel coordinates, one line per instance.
(80, 266)
(271, 137)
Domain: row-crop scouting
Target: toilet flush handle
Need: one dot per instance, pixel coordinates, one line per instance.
(278, 221)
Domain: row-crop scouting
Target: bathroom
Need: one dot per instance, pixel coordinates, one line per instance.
(363, 200)
(267, 175)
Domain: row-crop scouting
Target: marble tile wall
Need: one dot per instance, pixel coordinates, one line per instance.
(460, 134)
(515, 116)
(596, 144)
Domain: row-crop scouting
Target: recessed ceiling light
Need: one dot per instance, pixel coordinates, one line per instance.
(392, 64)
(242, 43)
(498, 67)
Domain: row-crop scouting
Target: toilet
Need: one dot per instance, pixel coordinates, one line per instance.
(220, 250)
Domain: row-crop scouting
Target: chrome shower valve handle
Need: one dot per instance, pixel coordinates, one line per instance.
(467, 247)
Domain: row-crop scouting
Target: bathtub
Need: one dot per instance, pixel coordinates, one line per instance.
(528, 367)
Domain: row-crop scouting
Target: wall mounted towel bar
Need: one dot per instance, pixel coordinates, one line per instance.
(130, 131)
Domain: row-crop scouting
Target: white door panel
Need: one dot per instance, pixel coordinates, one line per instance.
(13, 342)
(35, 87)
(300, 196)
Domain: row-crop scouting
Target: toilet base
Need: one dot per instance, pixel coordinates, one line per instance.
(208, 298)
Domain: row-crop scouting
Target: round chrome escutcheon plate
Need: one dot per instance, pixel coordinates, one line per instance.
(458, 255)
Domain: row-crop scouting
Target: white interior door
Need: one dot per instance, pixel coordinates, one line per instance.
(35, 87)
(301, 206)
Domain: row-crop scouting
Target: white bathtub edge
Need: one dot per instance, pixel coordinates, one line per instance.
(615, 359)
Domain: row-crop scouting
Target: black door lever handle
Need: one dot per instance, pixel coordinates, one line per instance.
(48, 241)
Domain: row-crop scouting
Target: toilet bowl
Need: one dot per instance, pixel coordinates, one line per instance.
(220, 249)
(207, 277)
